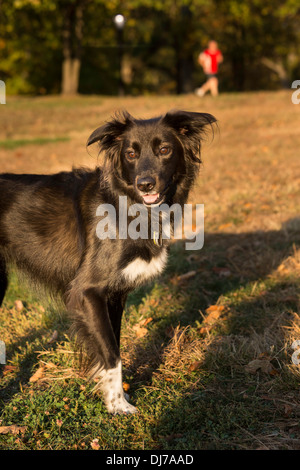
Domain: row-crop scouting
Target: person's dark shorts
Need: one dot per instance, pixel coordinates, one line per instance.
(211, 75)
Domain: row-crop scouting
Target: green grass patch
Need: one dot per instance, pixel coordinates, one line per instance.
(11, 144)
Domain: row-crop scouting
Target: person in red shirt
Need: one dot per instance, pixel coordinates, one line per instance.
(210, 60)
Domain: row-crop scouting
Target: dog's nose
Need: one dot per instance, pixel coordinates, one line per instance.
(146, 184)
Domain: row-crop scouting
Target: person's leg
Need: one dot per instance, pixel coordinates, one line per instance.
(202, 90)
(214, 86)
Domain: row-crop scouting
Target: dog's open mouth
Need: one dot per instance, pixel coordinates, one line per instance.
(152, 199)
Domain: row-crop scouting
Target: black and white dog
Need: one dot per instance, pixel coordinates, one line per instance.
(48, 229)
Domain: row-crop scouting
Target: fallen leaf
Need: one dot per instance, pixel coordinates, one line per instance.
(126, 387)
(140, 329)
(39, 374)
(222, 271)
(19, 305)
(186, 276)
(95, 444)
(13, 429)
(213, 313)
(263, 364)
(146, 321)
(183, 278)
(194, 366)
(140, 332)
(204, 330)
(54, 337)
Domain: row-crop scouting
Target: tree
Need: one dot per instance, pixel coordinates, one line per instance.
(257, 37)
(72, 33)
(51, 26)
(52, 46)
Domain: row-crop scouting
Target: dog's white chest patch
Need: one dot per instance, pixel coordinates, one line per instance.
(141, 270)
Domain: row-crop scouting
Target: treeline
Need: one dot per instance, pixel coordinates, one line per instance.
(69, 46)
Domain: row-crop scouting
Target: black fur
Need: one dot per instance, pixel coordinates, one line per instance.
(48, 222)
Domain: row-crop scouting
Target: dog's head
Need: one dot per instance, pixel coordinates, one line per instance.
(148, 159)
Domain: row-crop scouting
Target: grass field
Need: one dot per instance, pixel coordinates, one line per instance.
(208, 356)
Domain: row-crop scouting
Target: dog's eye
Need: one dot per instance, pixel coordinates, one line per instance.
(131, 155)
(164, 150)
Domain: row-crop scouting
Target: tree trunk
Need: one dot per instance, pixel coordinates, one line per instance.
(70, 80)
(184, 73)
(183, 54)
(238, 72)
(72, 45)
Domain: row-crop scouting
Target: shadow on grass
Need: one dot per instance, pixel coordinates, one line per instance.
(223, 406)
(12, 385)
(27, 346)
(236, 270)
(237, 267)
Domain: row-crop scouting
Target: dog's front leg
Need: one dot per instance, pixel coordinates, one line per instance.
(115, 305)
(101, 338)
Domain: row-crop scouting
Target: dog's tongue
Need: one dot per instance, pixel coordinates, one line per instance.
(150, 198)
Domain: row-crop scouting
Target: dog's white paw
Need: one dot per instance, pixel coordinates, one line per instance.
(110, 384)
(119, 405)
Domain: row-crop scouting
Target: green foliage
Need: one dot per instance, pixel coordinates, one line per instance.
(161, 42)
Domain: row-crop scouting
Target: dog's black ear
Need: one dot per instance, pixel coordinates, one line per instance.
(190, 128)
(109, 135)
(188, 123)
